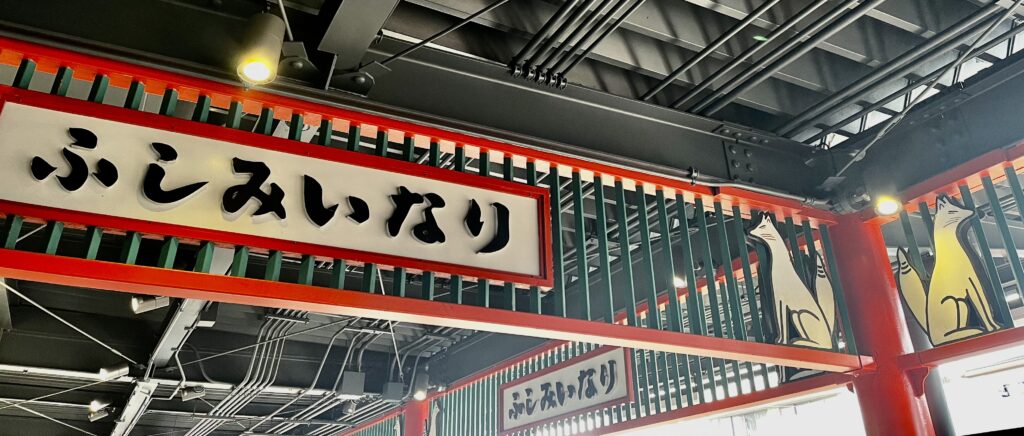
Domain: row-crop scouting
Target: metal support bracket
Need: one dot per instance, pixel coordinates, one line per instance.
(918, 376)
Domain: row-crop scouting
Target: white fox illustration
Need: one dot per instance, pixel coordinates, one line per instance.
(956, 287)
(812, 315)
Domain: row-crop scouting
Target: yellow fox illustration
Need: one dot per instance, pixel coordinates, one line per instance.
(812, 316)
(956, 287)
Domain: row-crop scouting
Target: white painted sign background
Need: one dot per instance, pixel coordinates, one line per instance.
(28, 131)
(568, 375)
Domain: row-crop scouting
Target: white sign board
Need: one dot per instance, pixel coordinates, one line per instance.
(595, 380)
(248, 189)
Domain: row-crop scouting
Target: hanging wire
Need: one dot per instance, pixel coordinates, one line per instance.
(67, 323)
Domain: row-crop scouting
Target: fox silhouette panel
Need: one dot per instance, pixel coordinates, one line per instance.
(811, 315)
(955, 295)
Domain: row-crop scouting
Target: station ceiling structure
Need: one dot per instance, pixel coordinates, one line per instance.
(773, 96)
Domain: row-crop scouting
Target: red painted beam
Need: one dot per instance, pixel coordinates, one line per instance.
(731, 405)
(186, 284)
(962, 349)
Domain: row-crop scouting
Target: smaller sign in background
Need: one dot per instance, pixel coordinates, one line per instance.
(567, 372)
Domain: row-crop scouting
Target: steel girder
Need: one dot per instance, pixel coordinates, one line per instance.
(951, 129)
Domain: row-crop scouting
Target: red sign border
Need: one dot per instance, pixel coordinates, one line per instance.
(630, 393)
(271, 143)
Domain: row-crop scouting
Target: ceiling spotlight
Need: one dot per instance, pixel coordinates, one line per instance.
(887, 205)
(420, 386)
(760, 38)
(349, 407)
(112, 372)
(99, 414)
(679, 282)
(261, 50)
(97, 405)
(146, 303)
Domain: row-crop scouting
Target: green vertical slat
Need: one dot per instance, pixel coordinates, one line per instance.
(93, 236)
(382, 143)
(23, 77)
(295, 126)
(273, 271)
(912, 249)
(11, 230)
(370, 278)
(325, 133)
(580, 242)
(456, 293)
(756, 328)
(644, 391)
(694, 301)
(99, 88)
(62, 81)
(557, 249)
(535, 295)
(709, 274)
(234, 119)
(306, 269)
(398, 278)
(674, 318)
(625, 257)
(54, 230)
(990, 265)
(429, 286)
(136, 91)
(240, 261)
(201, 112)
(265, 124)
(408, 149)
(1018, 198)
(926, 216)
(794, 249)
(604, 272)
(484, 167)
(434, 154)
(837, 288)
(736, 312)
(509, 293)
(169, 103)
(130, 247)
(168, 252)
(508, 169)
(647, 260)
(459, 160)
(1004, 230)
(734, 308)
(483, 293)
(354, 137)
(204, 257)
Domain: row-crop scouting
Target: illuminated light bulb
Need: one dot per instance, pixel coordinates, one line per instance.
(420, 395)
(887, 206)
(679, 282)
(255, 71)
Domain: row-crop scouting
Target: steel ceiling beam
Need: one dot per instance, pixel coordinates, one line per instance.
(956, 126)
(673, 25)
(921, 17)
(350, 27)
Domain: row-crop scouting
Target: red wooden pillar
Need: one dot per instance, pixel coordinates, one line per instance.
(886, 396)
(416, 415)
